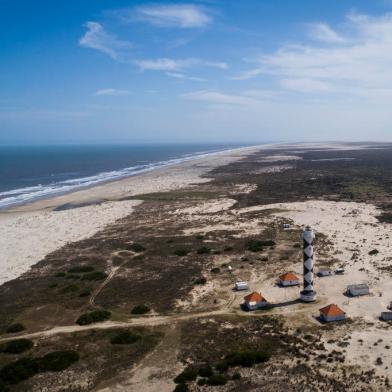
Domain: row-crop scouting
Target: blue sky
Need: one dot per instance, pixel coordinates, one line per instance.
(202, 71)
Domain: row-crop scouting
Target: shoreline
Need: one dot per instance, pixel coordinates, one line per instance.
(31, 231)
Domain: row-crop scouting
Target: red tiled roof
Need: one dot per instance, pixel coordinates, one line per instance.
(255, 297)
(332, 310)
(288, 276)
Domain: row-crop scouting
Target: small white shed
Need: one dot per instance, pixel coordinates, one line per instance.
(288, 279)
(386, 316)
(356, 290)
(331, 313)
(324, 272)
(241, 286)
(255, 301)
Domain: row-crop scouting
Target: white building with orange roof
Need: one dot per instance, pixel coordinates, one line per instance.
(255, 301)
(331, 313)
(288, 279)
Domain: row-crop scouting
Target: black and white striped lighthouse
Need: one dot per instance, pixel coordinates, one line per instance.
(308, 294)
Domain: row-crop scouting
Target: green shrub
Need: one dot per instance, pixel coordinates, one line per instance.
(255, 246)
(181, 252)
(217, 252)
(93, 317)
(16, 327)
(258, 245)
(20, 370)
(202, 280)
(247, 358)
(236, 376)
(215, 270)
(125, 337)
(17, 346)
(201, 381)
(228, 249)
(206, 371)
(181, 388)
(217, 379)
(199, 237)
(185, 376)
(24, 368)
(222, 366)
(59, 274)
(373, 252)
(69, 289)
(95, 275)
(137, 248)
(81, 269)
(3, 387)
(203, 250)
(140, 309)
(57, 361)
(85, 293)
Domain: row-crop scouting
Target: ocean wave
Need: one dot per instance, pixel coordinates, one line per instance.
(28, 194)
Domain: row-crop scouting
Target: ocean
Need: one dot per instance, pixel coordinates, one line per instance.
(28, 173)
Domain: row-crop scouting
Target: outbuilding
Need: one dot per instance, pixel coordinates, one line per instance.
(355, 290)
(386, 316)
(255, 301)
(241, 286)
(331, 313)
(324, 272)
(288, 279)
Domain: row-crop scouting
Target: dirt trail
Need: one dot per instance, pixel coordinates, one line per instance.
(146, 321)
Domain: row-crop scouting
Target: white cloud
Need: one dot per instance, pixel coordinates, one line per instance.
(362, 64)
(178, 75)
(219, 98)
(96, 37)
(322, 32)
(111, 92)
(174, 15)
(305, 85)
(172, 65)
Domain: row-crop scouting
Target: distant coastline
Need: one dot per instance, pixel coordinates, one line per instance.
(23, 195)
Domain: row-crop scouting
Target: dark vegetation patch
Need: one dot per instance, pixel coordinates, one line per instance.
(125, 337)
(136, 248)
(81, 269)
(93, 317)
(25, 368)
(95, 275)
(140, 309)
(204, 250)
(16, 346)
(259, 245)
(16, 327)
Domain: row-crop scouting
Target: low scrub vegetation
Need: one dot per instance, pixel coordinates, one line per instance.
(17, 346)
(181, 252)
(201, 281)
(203, 250)
(93, 317)
(16, 327)
(25, 368)
(259, 245)
(81, 269)
(140, 309)
(125, 337)
(136, 248)
(95, 275)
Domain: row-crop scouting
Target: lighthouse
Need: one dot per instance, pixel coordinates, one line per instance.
(308, 294)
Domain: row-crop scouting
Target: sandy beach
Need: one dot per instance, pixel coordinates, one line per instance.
(29, 232)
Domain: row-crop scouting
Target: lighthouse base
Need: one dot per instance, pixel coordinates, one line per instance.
(308, 296)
